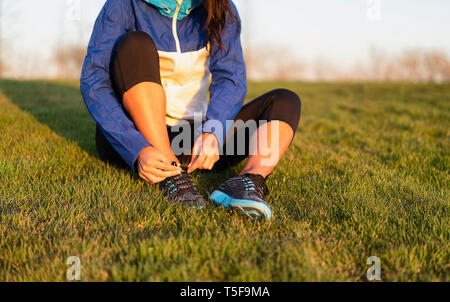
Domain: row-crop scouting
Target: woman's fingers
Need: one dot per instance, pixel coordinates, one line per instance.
(162, 158)
(150, 178)
(203, 162)
(154, 166)
(162, 174)
(161, 162)
(165, 166)
(214, 161)
(207, 144)
(209, 163)
(198, 162)
(155, 180)
(194, 164)
(193, 159)
(154, 175)
(196, 152)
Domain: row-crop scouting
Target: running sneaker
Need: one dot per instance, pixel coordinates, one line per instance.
(181, 189)
(244, 194)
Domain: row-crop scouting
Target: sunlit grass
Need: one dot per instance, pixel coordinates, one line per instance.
(367, 175)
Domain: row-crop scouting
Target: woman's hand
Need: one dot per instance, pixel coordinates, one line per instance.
(205, 153)
(154, 167)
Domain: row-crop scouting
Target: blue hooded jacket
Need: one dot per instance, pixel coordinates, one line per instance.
(227, 68)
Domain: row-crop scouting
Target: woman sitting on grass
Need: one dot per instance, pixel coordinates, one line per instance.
(146, 74)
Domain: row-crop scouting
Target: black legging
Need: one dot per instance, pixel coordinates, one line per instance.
(135, 60)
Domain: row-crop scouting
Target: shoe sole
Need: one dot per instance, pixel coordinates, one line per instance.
(253, 209)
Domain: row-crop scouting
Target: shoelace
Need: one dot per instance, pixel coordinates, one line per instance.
(179, 184)
(258, 184)
(251, 183)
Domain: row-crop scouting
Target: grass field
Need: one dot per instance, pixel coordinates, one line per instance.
(367, 175)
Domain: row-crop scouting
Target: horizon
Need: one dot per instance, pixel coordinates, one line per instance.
(309, 33)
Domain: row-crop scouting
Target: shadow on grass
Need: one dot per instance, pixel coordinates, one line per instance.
(59, 105)
(56, 104)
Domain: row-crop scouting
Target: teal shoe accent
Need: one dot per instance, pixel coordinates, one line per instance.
(253, 209)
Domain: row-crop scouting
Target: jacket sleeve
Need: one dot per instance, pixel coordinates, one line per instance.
(228, 87)
(96, 87)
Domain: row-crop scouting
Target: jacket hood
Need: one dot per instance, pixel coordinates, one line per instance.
(168, 7)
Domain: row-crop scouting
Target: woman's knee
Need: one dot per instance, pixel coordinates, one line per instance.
(286, 106)
(287, 100)
(135, 60)
(136, 42)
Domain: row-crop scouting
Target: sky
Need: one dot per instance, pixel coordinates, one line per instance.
(340, 31)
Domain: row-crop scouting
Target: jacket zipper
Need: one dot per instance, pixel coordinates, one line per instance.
(174, 26)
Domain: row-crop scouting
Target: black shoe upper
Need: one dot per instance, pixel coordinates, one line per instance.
(246, 187)
(181, 188)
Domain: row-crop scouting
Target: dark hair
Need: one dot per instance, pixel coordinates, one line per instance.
(217, 13)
